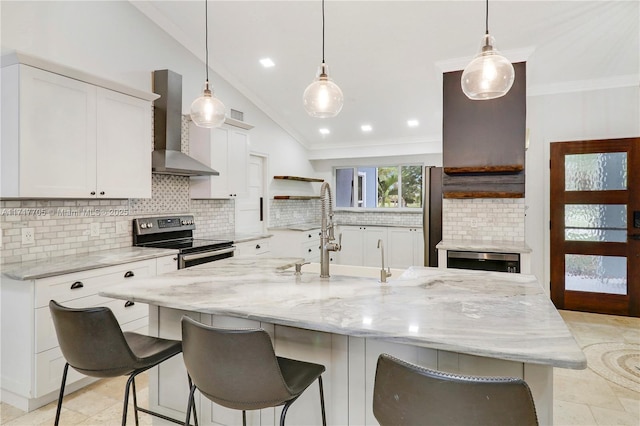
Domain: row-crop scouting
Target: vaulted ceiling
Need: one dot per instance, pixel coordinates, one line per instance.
(388, 56)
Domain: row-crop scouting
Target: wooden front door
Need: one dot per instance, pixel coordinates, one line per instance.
(595, 226)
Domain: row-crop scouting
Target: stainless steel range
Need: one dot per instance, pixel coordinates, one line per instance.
(176, 232)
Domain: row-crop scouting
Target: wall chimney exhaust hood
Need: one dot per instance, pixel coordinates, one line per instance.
(167, 157)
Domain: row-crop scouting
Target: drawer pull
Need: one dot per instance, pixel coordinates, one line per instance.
(310, 250)
(309, 235)
(76, 285)
(128, 274)
(128, 304)
(258, 247)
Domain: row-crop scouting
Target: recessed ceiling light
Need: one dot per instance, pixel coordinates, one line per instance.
(413, 123)
(324, 131)
(366, 127)
(267, 62)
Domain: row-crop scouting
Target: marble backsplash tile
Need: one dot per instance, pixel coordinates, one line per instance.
(484, 219)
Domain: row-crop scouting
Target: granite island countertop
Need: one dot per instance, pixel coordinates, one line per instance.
(490, 314)
(61, 265)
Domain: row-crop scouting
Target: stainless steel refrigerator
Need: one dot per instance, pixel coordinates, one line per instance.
(432, 214)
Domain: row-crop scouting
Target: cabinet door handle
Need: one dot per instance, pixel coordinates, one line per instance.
(93, 192)
(101, 192)
(76, 285)
(128, 304)
(129, 274)
(309, 235)
(310, 250)
(175, 258)
(257, 246)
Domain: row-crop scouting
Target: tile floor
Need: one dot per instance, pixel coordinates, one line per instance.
(581, 397)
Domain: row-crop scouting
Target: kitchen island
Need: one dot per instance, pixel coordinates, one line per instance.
(467, 322)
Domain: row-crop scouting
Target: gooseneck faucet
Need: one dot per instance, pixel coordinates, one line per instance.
(383, 274)
(327, 237)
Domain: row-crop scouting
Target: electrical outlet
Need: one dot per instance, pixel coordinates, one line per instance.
(95, 229)
(474, 223)
(28, 236)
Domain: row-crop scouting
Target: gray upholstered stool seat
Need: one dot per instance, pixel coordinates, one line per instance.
(93, 343)
(238, 369)
(407, 394)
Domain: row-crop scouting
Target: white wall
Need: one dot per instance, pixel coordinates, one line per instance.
(112, 39)
(596, 114)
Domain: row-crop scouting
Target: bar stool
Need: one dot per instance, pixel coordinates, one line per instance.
(93, 344)
(407, 394)
(238, 369)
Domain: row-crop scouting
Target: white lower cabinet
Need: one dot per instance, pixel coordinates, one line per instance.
(405, 248)
(360, 245)
(292, 243)
(258, 247)
(32, 362)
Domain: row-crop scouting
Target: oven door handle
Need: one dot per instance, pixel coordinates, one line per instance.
(196, 256)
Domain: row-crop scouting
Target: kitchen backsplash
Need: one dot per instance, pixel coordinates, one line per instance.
(284, 213)
(485, 219)
(295, 212)
(387, 218)
(64, 227)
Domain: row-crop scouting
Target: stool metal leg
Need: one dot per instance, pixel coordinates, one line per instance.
(244, 418)
(324, 417)
(135, 400)
(190, 403)
(62, 385)
(193, 402)
(126, 400)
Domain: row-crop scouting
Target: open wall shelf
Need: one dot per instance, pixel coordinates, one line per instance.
(299, 178)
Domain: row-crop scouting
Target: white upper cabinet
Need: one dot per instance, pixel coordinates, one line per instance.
(124, 146)
(65, 138)
(225, 149)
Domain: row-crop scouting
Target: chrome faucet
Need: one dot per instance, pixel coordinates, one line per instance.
(383, 274)
(327, 237)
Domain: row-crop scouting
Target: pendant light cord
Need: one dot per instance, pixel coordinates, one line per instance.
(206, 37)
(323, 31)
(486, 19)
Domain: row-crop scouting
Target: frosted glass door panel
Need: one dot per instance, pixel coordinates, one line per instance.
(595, 222)
(596, 274)
(596, 172)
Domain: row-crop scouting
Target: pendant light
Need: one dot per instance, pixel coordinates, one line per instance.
(489, 75)
(323, 98)
(207, 110)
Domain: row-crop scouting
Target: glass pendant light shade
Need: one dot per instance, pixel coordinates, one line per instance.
(489, 75)
(323, 98)
(207, 110)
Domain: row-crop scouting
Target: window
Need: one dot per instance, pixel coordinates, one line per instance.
(384, 187)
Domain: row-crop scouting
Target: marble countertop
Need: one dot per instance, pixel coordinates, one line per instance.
(485, 246)
(490, 314)
(238, 237)
(75, 263)
(310, 226)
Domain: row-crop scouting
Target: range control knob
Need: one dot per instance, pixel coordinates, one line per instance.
(184, 222)
(143, 225)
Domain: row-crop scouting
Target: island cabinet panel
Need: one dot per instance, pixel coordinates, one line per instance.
(330, 350)
(349, 378)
